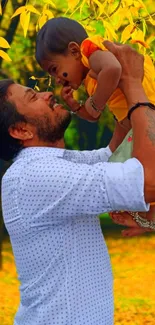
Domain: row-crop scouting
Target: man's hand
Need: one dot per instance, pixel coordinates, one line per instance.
(125, 219)
(131, 61)
(132, 69)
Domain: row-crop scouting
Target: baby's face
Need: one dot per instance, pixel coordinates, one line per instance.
(67, 69)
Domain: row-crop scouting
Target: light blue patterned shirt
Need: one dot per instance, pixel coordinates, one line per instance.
(51, 199)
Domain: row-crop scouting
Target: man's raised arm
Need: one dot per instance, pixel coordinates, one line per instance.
(143, 117)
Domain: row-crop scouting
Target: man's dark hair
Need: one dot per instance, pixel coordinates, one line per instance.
(9, 116)
(55, 36)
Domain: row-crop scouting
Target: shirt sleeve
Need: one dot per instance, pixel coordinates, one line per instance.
(88, 157)
(63, 190)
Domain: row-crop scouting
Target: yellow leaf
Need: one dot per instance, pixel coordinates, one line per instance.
(4, 43)
(89, 28)
(110, 31)
(26, 25)
(126, 34)
(0, 9)
(5, 56)
(48, 13)
(32, 9)
(50, 2)
(19, 11)
(138, 38)
(36, 88)
(121, 14)
(140, 42)
(129, 16)
(138, 35)
(42, 20)
(142, 4)
(137, 5)
(72, 4)
(24, 20)
(152, 21)
(33, 78)
(129, 2)
(101, 7)
(134, 11)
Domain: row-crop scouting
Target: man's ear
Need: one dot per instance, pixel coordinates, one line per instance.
(74, 49)
(20, 131)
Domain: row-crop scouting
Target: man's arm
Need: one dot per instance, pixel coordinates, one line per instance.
(88, 157)
(144, 144)
(68, 190)
(143, 118)
(100, 155)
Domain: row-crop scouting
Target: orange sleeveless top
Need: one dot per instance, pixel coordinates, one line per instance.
(117, 102)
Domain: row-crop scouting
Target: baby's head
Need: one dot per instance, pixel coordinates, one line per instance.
(58, 50)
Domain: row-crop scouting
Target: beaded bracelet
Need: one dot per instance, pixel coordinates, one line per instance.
(150, 105)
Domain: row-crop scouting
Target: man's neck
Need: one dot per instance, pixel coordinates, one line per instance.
(58, 144)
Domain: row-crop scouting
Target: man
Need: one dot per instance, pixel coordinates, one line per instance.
(51, 198)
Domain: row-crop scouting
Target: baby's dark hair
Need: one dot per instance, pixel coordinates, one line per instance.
(55, 36)
(9, 116)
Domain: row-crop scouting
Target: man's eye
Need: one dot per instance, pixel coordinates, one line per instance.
(34, 96)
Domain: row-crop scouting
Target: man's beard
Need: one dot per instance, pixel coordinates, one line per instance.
(47, 132)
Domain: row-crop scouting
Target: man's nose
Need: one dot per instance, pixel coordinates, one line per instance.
(46, 95)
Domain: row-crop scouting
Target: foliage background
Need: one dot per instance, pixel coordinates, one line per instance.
(134, 285)
(131, 21)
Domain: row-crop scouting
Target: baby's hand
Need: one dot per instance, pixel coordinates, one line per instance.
(67, 95)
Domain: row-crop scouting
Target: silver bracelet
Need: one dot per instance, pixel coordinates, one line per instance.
(142, 222)
(78, 109)
(94, 106)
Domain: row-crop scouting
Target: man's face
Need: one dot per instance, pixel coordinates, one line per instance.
(47, 119)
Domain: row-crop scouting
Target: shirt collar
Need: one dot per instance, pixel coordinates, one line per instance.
(31, 151)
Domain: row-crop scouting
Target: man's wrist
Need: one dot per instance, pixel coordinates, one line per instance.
(134, 92)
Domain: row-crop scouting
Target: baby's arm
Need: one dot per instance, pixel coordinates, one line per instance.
(67, 95)
(108, 70)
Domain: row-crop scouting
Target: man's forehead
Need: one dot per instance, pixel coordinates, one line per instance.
(16, 89)
(16, 92)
